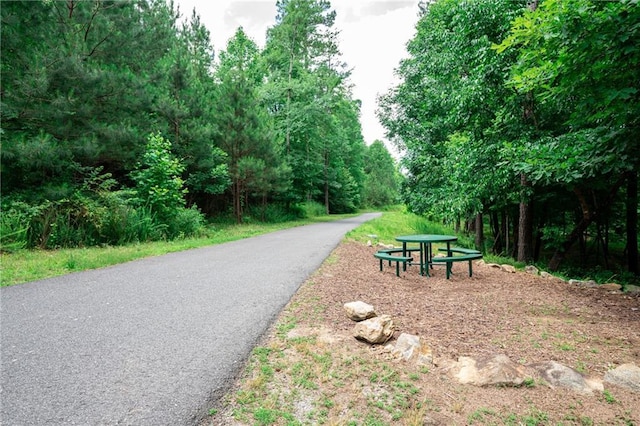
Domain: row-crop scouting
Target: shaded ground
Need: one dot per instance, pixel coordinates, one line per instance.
(310, 370)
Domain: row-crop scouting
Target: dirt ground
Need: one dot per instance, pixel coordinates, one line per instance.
(524, 316)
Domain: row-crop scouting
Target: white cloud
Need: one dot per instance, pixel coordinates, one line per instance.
(372, 40)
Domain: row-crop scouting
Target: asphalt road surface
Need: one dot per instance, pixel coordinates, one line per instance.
(154, 341)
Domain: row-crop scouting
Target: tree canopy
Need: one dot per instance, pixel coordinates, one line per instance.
(529, 104)
(103, 90)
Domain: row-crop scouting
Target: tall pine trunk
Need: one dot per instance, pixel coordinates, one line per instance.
(632, 222)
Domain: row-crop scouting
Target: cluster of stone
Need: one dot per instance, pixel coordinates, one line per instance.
(486, 370)
(370, 327)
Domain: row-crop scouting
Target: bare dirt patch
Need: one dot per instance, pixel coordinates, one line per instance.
(309, 370)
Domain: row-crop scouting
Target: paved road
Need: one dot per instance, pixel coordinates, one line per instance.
(149, 342)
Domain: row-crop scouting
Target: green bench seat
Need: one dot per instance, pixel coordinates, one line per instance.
(460, 250)
(409, 250)
(449, 260)
(385, 255)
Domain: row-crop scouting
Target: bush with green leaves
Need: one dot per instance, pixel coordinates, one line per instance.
(14, 224)
(160, 188)
(158, 178)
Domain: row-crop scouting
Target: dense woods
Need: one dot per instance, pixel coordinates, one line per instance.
(518, 122)
(121, 123)
(523, 115)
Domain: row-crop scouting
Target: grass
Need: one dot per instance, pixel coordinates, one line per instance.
(30, 265)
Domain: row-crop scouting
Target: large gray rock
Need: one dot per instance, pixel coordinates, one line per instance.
(374, 330)
(627, 375)
(558, 375)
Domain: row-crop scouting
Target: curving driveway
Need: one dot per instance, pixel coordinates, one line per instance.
(153, 341)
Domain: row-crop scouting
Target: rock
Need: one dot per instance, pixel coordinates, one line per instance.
(588, 283)
(632, 289)
(493, 265)
(374, 330)
(369, 243)
(387, 246)
(545, 274)
(358, 311)
(627, 375)
(406, 346)
(610, 287)
(508, 268)
(530, 269)
(490, 370)
(558, 375)
(410, 347)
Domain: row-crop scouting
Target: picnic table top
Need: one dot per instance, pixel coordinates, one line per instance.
(426, 238)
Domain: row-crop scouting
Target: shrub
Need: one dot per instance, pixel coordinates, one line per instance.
(313, 209)
(14, 225)
(275, 213)
(185, 223)
(158, 180)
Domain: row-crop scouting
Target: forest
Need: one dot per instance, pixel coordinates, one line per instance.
(120, 123)
(517, 121)
(522, 118)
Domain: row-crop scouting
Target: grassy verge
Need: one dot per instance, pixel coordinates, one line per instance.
(29, 265)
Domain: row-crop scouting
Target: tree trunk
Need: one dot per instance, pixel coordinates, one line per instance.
(496, 230)
(237, 200)
(505, 231)
(587, 218)
(632, 222)
(537, 244)
(288, 113)
(479, 232)
(525, 225)
(326, 182)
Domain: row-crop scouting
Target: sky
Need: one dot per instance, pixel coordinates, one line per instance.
(373, 35)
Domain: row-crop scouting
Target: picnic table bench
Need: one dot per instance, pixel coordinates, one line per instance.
(466, 255)
(388, 255)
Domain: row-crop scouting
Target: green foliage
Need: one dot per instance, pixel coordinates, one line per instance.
(451, 93)
(158, 178)
(381, 185)
(315, 119)
(88, 216)
(522, 107)
(313, 209)
(14, 224)
(274, 213)
(160, 188)
(84, 84)
(187, 222)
